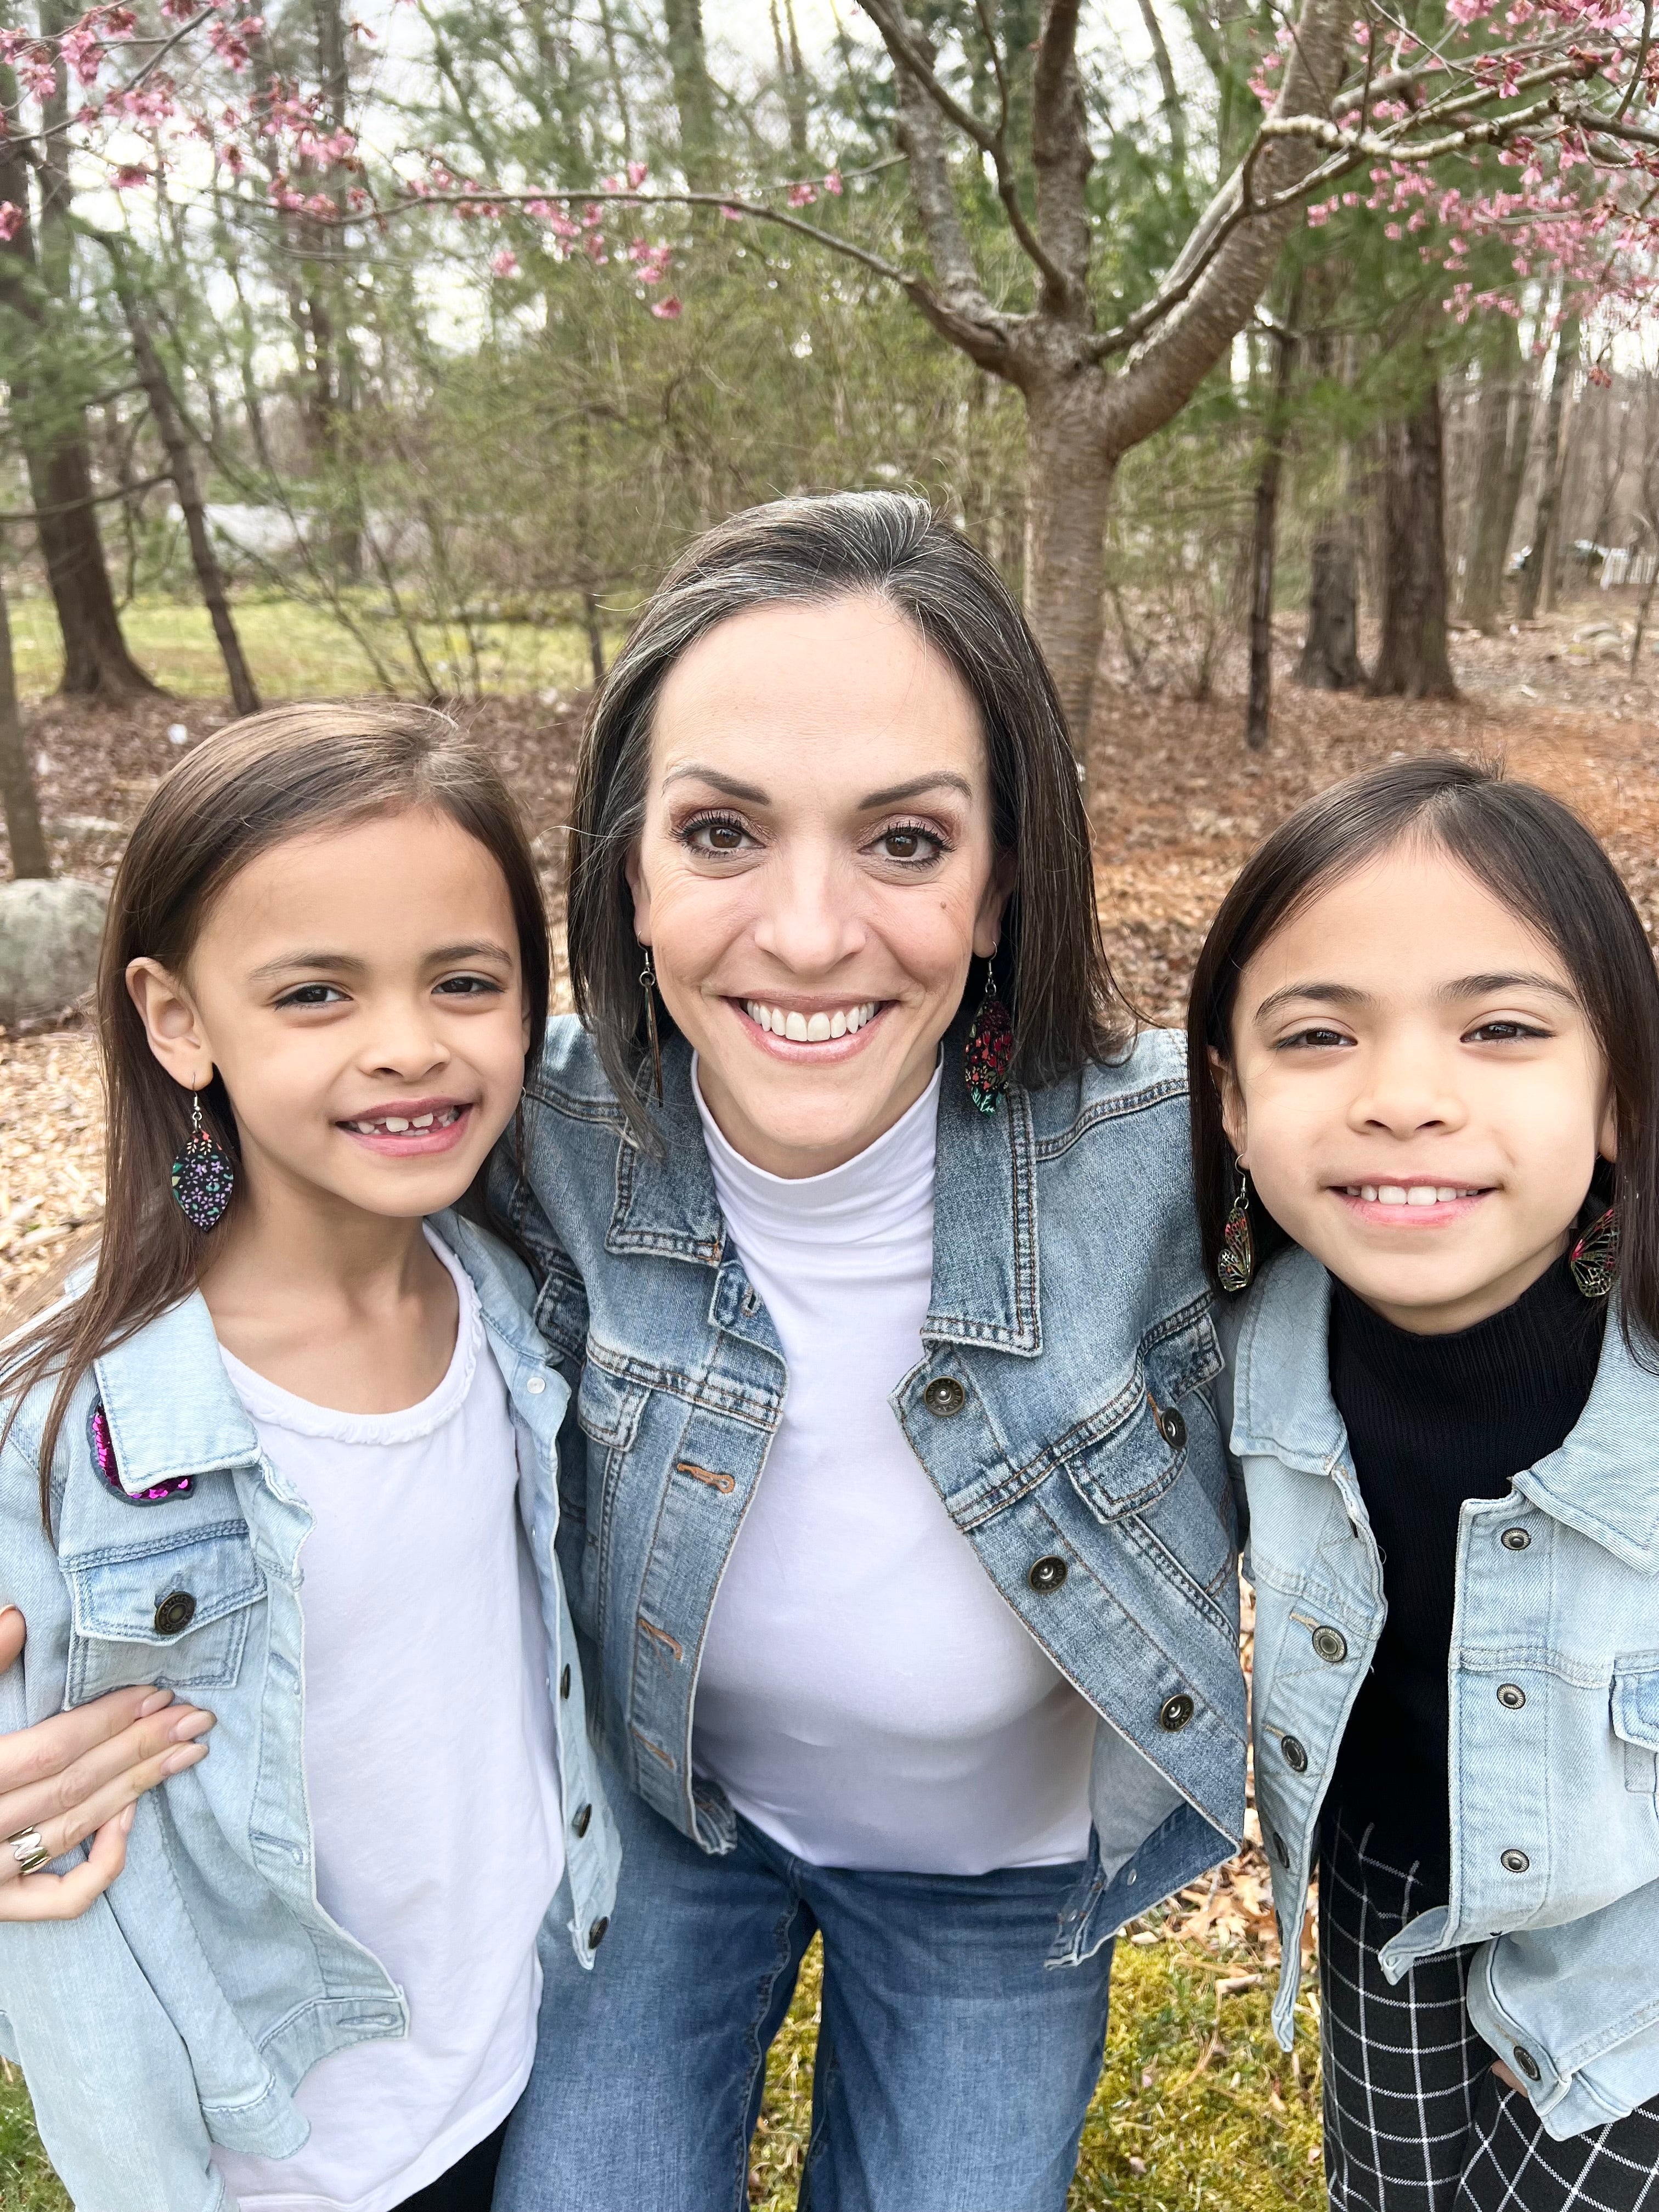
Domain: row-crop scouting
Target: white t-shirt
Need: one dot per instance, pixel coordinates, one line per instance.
(867, 1698)
(430, 1765)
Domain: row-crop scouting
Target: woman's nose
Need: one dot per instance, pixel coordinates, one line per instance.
(810, 920)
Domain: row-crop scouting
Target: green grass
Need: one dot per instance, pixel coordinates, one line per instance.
(1198, 2110)
(295, 651)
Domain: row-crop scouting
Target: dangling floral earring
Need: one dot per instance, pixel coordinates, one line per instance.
(1235, 1262)
(1593, 1261)
(649, 985)
(203, 1175)
(990, 1047)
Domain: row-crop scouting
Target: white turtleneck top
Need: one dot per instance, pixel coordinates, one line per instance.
(866, 1697)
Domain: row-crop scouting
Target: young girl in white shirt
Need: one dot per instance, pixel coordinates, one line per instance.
(289, 1452)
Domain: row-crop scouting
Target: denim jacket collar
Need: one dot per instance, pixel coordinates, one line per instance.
(161, 1434)
(984, 1284)
(1596, 1482)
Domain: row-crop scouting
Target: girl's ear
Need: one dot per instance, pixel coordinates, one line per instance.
(1606, 1137)
(171, 1023)
(1234, 1120)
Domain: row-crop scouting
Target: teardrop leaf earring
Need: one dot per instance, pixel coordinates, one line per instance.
(1235, 1262)
(649, 985)
(203, 1175)
(989, 1050)
(1592, 1262)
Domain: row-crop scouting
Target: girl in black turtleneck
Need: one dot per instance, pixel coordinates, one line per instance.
(1428, 1162)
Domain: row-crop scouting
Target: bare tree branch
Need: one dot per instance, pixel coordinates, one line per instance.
(1062, 156)
(1174, 114)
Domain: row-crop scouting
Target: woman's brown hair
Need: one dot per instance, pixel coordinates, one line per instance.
(1536, 856)
(296, 771)
(1051, 965)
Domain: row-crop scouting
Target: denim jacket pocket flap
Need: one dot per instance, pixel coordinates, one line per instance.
(1126, 1469)
(609, 1409)
(1636, 1718)
(175, 1614)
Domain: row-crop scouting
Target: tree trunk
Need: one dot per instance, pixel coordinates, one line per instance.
(1330, 652)
(209, 574)
(1414, 662)
(18, 797)
(1549, 491)
(1502, 419)
(1264, 538)
(694, 94)
(1069, 492)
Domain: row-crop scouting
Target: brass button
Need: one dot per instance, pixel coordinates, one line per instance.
(564, 1681)
(1047, 1574)
(1331, 1645)
(581, 1823)
(1527, 2065)
(1170, 1427)
(1294, 1753)
(1512, 1696)
(1514, 1540)
(174, 1613)
(596, 1933)
(945, 1396)
(1175, 1713)
(1513, 1862)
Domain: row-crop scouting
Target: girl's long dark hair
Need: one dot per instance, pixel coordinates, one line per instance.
(1051, 966)
(299, 770)
(1536, 856)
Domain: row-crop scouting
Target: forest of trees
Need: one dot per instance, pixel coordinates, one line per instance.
(458, 314)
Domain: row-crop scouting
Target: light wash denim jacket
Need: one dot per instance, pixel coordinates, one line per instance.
(1555, 1676)
(186, 2006)
(1061, 1406)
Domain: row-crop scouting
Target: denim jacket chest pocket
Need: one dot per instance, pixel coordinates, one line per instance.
(1152, 1461)
(172, 1611)
(1635, 1721)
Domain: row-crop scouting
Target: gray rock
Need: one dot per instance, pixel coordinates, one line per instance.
(49, 936)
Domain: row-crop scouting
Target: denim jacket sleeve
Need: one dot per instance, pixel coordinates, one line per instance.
(1541, 1976)
(114, 2095)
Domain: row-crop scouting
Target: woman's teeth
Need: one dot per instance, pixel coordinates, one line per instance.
(394, 1125)
(809, 1028)
(1414, 1194)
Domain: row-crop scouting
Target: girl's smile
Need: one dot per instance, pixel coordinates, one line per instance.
(1410, 1205)
(409, 1128)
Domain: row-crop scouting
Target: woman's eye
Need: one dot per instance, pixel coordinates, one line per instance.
(908, 843)
(715, 833)
(313, 994)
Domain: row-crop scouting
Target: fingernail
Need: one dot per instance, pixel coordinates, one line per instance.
(193, 1724)
(126, 1820)
(154, 1702)
(188, 1754)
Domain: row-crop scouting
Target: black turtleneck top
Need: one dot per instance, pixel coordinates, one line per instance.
(1433, 1420)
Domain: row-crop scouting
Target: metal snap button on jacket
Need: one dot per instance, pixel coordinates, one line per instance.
(1170, 1427)
(1529, 2065)
(1331, 1645)
(176, 1612)
(1513, 1862)
(1047, 1574)
(596, 1933)
(944, 1395)
(1175, 1713)
(1514, 1540)
(1512, 1696)
(1293, 1754)
(580, 1823)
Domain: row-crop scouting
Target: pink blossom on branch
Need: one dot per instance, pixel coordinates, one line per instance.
(11, 221)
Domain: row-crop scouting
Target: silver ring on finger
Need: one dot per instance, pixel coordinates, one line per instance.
(30, 1853)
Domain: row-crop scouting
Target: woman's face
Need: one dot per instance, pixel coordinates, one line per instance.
(815, 871)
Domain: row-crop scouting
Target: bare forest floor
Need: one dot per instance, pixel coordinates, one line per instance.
(1197, 2107)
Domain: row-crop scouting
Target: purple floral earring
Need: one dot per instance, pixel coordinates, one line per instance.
(203, 1175)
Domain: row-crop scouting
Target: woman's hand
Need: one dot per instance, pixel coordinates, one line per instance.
(80, 1774)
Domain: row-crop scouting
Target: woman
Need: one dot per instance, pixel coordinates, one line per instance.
(851, 1175)
(894, 1522)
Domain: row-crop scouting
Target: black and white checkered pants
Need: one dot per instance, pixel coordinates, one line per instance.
(1415, 2119)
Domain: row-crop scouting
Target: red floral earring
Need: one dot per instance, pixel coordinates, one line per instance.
(990, 1047)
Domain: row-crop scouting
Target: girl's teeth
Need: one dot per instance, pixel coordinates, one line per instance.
(1416, 1194)
(422, 1121)
(394, 1125)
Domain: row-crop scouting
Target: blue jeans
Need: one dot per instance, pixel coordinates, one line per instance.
(954, 2069)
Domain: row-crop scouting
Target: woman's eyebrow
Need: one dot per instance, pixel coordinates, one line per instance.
(728, 784)
(943, 779)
